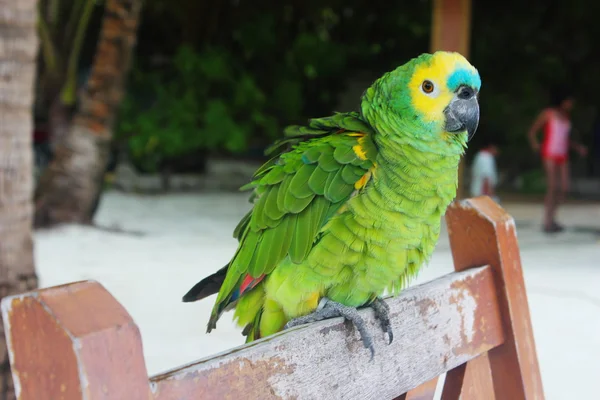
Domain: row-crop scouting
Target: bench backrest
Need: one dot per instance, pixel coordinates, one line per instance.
(77, 342)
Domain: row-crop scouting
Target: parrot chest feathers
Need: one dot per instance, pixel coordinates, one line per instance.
(391, 228)
(378, 241)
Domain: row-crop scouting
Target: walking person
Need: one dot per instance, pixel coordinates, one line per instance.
(554, 150)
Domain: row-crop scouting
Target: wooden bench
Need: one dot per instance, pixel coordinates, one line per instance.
(77, 342)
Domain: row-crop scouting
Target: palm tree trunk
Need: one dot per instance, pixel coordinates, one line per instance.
(18, 51)
(70, 187)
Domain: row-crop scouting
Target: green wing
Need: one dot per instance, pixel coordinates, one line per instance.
(294, 194)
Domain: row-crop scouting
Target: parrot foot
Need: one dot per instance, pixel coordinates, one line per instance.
(330, 309)
(382, 313)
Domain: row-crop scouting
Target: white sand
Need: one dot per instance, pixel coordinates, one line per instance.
(186, 237)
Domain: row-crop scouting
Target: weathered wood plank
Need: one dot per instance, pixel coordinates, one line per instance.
(470, 381)
(453, 384)
(425, 391)
(482, 233)
(74, 342)
(437, 326)
(478, 379)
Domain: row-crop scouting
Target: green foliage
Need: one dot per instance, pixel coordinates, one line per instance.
(200, 102)
(262, 65)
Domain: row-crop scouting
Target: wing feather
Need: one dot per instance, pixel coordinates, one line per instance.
(294, 196)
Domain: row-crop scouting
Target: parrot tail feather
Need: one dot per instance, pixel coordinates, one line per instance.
(207, 286)
(249, 291)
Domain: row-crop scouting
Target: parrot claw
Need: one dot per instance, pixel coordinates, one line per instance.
(382, 313)
(330, 309)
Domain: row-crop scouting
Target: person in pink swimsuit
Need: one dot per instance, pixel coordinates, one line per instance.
(554, 150)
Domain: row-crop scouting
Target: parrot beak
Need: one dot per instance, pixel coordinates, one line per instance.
(463, 112)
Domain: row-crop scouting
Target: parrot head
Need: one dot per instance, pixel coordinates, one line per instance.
(433, 97)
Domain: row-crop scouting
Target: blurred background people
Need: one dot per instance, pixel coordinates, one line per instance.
(484, 174)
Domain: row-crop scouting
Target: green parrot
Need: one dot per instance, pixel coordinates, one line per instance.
(351, 204)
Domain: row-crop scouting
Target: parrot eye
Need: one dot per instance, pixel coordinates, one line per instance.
(427, 87)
